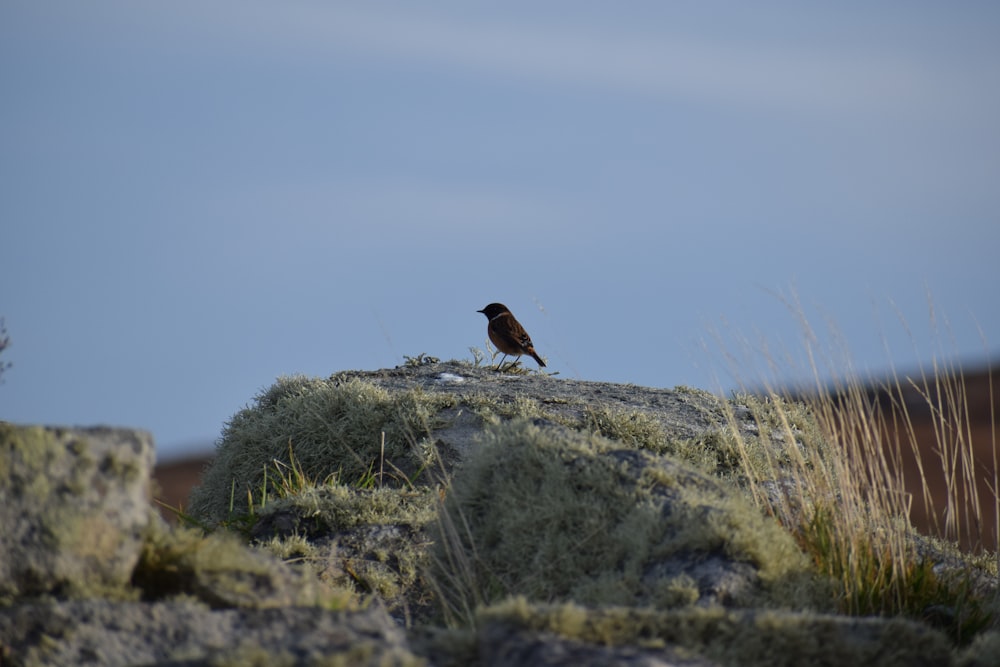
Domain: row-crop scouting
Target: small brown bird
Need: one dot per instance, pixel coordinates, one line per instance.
(508, 334)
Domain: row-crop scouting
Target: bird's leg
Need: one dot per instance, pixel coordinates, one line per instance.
(501, 362)
(515, 362)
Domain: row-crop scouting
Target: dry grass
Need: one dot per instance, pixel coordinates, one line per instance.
(349, 431)
(842, 489)
(556, 514)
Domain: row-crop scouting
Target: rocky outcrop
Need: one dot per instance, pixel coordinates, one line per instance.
(186, 632)
(706, 635)
(558, 515)
(93, 576)
(438, 514)
(74, 504)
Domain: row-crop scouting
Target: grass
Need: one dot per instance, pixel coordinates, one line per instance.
(348, 428)
(557, 514)
(456, 569)
(844, 487)
(284, 479)
(831, 463)
(834, 464)
(513, 367)
(376, 517)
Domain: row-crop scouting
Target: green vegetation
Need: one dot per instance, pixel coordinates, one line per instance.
(748, 638)
(565, 515)
(846, 508)
(220, 570)
(556, 514)
(828, 461)
(378, 533)
(339, 431)
(479, 359)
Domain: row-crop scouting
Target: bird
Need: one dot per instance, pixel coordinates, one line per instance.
(508, 334)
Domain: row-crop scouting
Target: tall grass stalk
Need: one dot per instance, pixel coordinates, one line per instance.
(457, 575)
(843, 491)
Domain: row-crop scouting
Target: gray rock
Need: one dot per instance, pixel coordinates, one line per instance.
(431, 416)
(73, 505)
(220, 570)
(554, 514)
(501, 648)
(100, 632)
(586, 524)
(520, 633)
(682, 413)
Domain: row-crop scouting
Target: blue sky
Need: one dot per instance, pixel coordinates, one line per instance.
(196, 197)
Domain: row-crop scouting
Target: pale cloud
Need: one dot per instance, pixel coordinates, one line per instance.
(838, 74)
(843, 73)
(798, 76)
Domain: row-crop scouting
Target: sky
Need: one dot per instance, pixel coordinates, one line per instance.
(197, 198)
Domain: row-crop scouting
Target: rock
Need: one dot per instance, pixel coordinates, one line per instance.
(983, 652)
(430, 416)
(704, 635)
(549, 521)
(372, 540)
(220, 570)
(74, 503)
(557, 515)
(501, 647)
(184, 632)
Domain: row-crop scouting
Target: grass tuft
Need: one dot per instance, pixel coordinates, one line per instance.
(557, 514)
(836, 466)
(343, 430)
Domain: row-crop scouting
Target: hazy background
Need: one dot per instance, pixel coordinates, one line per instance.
(197, 197)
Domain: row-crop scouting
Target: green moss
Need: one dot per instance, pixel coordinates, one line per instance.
(630, 427)
(554, 514)
(251, 656)
(712, 453)
(28, 452)
(493, 409)
(330, 508)
(223, 572)
(781, 424)
(374, 537)
(125, 469)
(334, 427)
(77, 548)
(745, 638)
(292, 547)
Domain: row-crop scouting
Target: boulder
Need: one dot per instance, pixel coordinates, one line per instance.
(446, 514)
(186, 632)
(74, 503)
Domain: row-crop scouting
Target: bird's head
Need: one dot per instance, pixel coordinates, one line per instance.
(493, 310)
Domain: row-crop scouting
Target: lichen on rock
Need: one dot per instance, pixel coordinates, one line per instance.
(554, 514)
